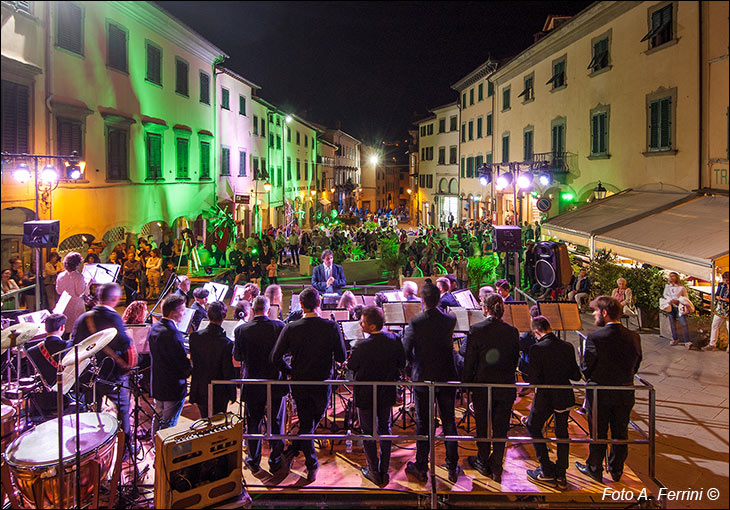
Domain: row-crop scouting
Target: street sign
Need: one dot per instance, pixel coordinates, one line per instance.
(242, 199)
(544, 204)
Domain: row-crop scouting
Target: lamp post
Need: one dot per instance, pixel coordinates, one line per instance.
(49, 176)
(599, 192)
(267, 188)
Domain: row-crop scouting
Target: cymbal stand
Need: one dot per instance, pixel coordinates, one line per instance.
(168, 287)
(78, 428)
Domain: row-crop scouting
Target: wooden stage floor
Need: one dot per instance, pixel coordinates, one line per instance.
(340, 483)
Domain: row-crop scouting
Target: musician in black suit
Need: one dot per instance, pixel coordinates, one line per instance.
(199, 308)
(429, 347)
(552, 361)
(182, 284)
(44, 354)
(492, 353)
(611, 357)
(379, 357)
(312, 342)
(446, 299)
(211, 354)
(170, 366)
(117, 358)
(254, 342)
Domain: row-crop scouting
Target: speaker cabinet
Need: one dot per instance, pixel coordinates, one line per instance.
(552, 264)
(507, 238)
(41, 233)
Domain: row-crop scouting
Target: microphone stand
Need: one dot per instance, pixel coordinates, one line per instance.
(168, 286)
(78, 429)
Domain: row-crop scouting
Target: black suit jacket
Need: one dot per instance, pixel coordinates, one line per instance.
(429, 346)
(53, 345)
(612, 356)
(170, 365)
(122, 345)
(380, 357)
(448, 299)
(211, 354)
(254, 342)
(312, 342)
(492, 353)
(552, 361)
(198, 316)
(319, 279)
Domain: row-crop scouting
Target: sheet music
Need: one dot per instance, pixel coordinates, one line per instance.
(139, 334)
(62, 303)
(394, 313)
(294, 306)
(521, 318)
(184, 323)
(229, 326)
(237, 294)
(218, 290)
(475, 317)
(570, 316)
(101, 273)
(351, 330)
(34, 317)
(411, 309)
(465, 298)
(394, 295)
(368, 300)
(552, 312)
(462, 318)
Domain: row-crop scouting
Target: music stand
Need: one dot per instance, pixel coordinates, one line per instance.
(184, 323)
(339, 315)
(218, 290)
(465, 299)
(101, 273)
(36, 317)
(394, 314)
(517, 314)
(393, 296)
(237, 295)
(62, 302)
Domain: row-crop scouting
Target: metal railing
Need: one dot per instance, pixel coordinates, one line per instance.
(647, 437)
(15, 295)
(526, 296)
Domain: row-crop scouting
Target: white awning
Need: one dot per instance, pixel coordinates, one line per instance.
(686, 238)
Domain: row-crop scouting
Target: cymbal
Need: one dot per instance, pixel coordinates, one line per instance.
(90, 346)
(18, 334)
(69, 373)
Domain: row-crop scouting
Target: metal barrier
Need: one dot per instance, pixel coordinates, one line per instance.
(15, 295)
(648, 437)
(526, 296)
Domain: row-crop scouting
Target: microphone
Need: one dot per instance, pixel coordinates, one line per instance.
(332, 316)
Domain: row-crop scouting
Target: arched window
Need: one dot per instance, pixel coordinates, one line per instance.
(442, 186)
(453, 187)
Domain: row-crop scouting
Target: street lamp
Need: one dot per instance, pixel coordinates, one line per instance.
(599, 192)
(374, 159)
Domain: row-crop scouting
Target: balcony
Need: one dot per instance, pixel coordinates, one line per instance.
(556, 162)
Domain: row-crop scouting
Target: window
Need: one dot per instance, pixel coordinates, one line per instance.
(116, 161)
(469, 167)
(471, 130)
(255, 125)
(182, 158)
(204, 160)
(452, 124)
(280, 174)
(489, 124)
(660, 124)
(423, 130)
(478, 162)
(116, 47)
(463, 132)
(599, 133)
(600, 55)
(154, 64)
(242, 163)
(288, 135)
(242, 105)
(480, 127)
(306, 170)
(181, 76)
(452, 155)
(288, 169)
(263, 127)
(558, 143)
(278, 141)
(558, 78)
(306, 140)
(153, 153)
(490, 89)
(528, 139)
(255, 167)
(225, 161)
(264, 169)
(429, 129)
(661, 27)
(299, 170)
(463, 167)
(471, 96)
(480, 92)
(505, 148)
(70, 136)
(204, 88)
(271, 139)
(488, 158)
(442, 125)
(528, 92)
(298, 137)
(442, 156)
(225, 98)
(70, 27)
(463, 101)
(506, 94)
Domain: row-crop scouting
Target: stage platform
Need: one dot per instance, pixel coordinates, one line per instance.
(340, 484)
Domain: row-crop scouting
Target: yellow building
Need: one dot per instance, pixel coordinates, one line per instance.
(611, 96)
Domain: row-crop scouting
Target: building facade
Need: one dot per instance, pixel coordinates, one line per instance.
(346, 170)
(370, 158)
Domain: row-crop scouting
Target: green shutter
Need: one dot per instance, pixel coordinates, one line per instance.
(594, 134)
(463, 168)
(489, 125)
(654, 125)
(603, 132)
(665, 132)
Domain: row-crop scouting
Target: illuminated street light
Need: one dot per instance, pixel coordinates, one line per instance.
(544, 179)
(599, 192)
(332, 190)
(267, 186)
(409, 191)
(524, 181)
(287, 119)
(49, 174)
(504, 180)
(312, 192)
(22, 173)
(374, 159)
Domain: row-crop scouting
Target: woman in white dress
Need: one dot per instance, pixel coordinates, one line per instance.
(75, 284)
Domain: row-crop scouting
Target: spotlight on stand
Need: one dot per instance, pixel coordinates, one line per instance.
(524, 181)
(504, 180)
(22, 173)
(74, 167)
(544, 179)
(49, 174)
(485, 173)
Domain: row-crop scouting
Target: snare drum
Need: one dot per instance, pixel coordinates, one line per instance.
(33, 459)
(9, 425)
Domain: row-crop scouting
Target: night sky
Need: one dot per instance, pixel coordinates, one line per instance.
(373, 66)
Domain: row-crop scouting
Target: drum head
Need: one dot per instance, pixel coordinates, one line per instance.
(7, 412)
(39, 446)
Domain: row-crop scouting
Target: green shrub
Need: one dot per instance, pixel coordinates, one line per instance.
(483, 269)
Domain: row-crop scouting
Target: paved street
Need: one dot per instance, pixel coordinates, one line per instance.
(691, 418)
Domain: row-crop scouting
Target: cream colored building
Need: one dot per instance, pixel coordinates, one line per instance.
(368, 177)
(438, 172)
(347, 169)
(611, 96)
(476, 121)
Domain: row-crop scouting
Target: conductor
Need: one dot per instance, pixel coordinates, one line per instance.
(328, 278)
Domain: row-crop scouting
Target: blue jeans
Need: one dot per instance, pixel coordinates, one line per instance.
(673, 316)
(166, 414)
(120, 398)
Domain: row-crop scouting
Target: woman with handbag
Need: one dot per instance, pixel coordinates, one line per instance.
(677, 304)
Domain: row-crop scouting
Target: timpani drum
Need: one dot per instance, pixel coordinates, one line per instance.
(9, 425)
(33, 459)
